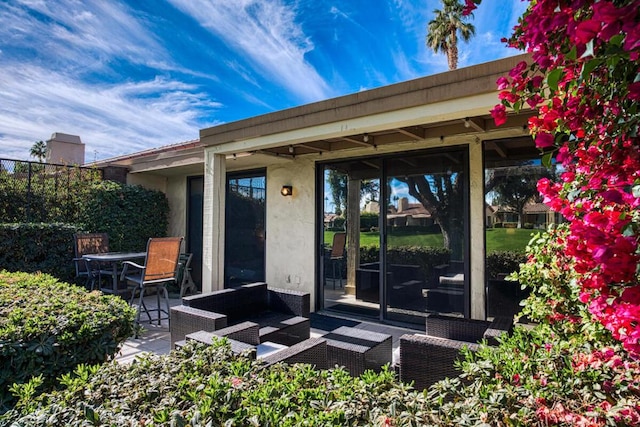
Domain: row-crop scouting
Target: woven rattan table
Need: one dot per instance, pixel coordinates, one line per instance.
(358, 349)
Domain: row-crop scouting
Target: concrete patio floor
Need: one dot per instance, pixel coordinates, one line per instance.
(156, 339)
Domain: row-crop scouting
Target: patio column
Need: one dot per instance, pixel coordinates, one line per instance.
(213, 221)
(353, 234)
(477, 229)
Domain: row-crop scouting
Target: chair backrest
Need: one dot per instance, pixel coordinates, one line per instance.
(90, 243)
(162, 259)
(338, 245)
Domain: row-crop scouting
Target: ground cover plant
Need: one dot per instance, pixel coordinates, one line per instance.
(207, 385)
(48, 327)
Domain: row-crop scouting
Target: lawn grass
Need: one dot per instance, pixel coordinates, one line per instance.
(498, 239)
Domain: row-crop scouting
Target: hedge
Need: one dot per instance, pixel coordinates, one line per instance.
(130, 214)
(503, 262)
(426, 258)
(48, 327)
(38, 247)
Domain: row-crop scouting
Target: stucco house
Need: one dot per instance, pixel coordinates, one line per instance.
(432, 137)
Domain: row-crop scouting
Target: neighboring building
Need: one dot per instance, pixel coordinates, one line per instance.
(436, 129)
(65, 149)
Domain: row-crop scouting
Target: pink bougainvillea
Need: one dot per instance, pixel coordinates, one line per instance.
(583, 84)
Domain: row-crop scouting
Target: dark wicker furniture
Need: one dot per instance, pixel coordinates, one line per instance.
(283, 315)
(426, 359)
(244, 338)
(358, 349)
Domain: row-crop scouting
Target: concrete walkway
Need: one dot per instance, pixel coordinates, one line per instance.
(156, 339)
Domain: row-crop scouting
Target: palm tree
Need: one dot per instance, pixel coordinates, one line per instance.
(442, 31)
(39, 150)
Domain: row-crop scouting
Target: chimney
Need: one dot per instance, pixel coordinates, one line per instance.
(65, 149)
(403, 204)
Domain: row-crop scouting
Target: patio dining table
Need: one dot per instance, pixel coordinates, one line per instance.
(114, 259)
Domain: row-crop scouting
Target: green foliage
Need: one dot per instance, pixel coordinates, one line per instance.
(130, 214)
(503, 262)
(35, 192)
(202, 385)
(369, 220)
(426, 258)
(538, 378)
(48, 327)
(38, 247)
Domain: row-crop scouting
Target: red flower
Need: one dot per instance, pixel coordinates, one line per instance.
(499, 114)
(544, 140)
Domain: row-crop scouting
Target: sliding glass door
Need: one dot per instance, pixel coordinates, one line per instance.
(245, 228)
(425, 236)
(406, 240)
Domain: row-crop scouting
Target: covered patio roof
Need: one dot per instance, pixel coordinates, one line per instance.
(453, 104)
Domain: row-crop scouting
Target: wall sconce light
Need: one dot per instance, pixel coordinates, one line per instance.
(286, 190)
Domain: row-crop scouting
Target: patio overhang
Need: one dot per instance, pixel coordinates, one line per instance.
(452, 106)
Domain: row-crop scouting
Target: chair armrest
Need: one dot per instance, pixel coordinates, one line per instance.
(186, 320)
(125, 267)
(426, 360)
(456, 328)
(500, 325)
(312, 351)
(289, 301)
(246, 332)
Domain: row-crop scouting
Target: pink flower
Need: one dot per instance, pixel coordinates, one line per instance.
(544, 140)
(499, 114)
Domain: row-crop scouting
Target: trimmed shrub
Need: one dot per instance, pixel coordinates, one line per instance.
(426, 258)
(48, 327)
(38, 247)
(201, 385)
(369, 220)
(503, 262)
(130, 214)
(497, 225)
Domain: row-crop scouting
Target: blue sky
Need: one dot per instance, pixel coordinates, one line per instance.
(131, 75)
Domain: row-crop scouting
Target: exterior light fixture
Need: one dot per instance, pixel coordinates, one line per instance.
(365, 138)
(286, 190)
(467, 122)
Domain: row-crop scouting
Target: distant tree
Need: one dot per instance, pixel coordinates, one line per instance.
(442, 31)
(338, 186)
(39, 150)
(442, 196)
(515, 188)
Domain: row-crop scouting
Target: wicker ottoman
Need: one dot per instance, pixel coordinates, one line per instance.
(357, 349)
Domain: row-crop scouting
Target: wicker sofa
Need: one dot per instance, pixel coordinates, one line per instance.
(428, 358)
(282, 315)
(244, 338)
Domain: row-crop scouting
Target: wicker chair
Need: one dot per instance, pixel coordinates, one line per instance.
(426, 359)
(244, 337)
(283, 315)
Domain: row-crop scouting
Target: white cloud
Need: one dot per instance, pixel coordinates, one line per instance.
(267, 34)
(110, 119)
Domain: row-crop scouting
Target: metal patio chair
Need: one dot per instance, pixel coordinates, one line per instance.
(159, 269)
(90, 243)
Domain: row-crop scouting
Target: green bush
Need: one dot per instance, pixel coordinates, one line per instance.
(38, 247)
(503, 262)
(369, 220)
(48, 327)
(497, 225)
(206, 385)
(426, 258)
(130, 214)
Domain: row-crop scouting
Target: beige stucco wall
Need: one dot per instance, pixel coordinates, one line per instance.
(290, 227)
(177, 196)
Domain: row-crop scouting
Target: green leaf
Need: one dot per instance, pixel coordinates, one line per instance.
(547, 159)
(589, 66)
(553, 78)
